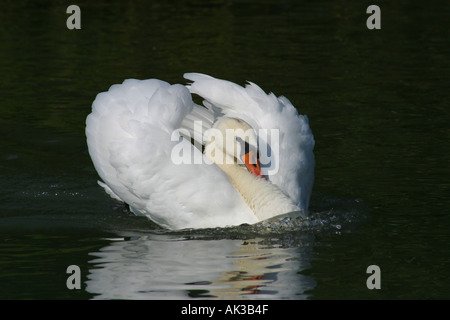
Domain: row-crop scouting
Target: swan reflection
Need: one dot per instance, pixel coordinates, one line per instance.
(160, 266)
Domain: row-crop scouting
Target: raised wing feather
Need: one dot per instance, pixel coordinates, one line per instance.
(291, 153)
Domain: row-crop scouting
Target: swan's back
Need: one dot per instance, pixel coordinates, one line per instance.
(130, 140)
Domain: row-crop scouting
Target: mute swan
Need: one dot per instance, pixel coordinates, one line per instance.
(243, 157)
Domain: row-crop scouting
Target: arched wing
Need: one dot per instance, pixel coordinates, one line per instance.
(285, 136)
(138, 152)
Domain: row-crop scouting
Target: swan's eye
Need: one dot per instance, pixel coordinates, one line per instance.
(246, 148)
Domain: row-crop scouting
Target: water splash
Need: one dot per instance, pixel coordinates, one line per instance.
(336, 216)
(328, 215)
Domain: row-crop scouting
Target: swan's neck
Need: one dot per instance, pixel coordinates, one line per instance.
(264, 199)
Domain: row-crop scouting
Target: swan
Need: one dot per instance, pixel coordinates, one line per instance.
(241, 156)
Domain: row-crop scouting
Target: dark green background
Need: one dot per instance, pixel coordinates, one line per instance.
(377, 100)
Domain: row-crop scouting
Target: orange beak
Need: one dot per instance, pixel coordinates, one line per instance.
(252, 164)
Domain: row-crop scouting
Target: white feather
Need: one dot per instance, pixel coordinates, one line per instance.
(130, 139)
(265, 111)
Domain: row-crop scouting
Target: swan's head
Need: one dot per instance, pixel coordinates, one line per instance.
(233, 141)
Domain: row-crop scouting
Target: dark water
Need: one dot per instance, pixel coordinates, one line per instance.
(378, 104)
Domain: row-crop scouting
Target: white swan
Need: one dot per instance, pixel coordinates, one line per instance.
(189, 166)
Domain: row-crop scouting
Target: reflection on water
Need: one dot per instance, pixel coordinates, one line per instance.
(261, 261)
(159, 266)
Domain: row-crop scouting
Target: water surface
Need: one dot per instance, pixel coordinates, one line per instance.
(377, 102)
